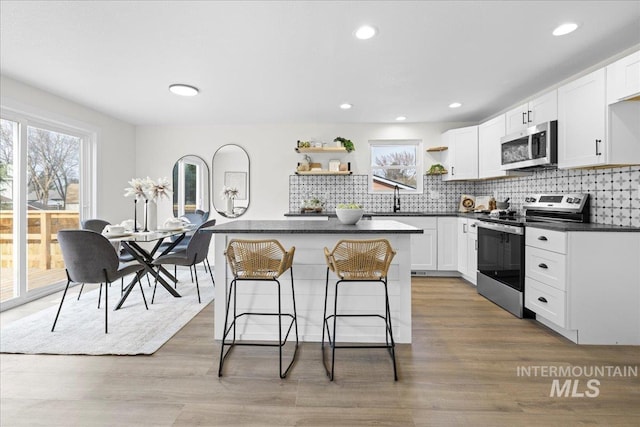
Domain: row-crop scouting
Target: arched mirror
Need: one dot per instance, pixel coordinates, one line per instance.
(190, 186)
(231, 181)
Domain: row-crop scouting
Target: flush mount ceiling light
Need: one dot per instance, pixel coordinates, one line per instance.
(455, 105)
(346, 106)
(365, 32)
(183, 90)
(401, 118)
(566, 28)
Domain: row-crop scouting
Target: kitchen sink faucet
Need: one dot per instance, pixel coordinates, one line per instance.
(396, 199)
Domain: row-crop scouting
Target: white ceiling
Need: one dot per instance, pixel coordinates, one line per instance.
(295, 62)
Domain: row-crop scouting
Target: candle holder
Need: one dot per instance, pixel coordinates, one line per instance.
(135, 215)
(146, 215)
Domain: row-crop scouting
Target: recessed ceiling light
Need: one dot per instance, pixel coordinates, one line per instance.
(365, 32)
(455, 105)
(346, 106)
(183, 90)
(566, 28)
(401, 118)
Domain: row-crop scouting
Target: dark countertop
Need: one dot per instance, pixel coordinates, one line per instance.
(332, 226)
(332, 214)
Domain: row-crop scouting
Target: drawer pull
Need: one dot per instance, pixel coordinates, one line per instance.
(542, 265)
(543, 238)
(542, 299)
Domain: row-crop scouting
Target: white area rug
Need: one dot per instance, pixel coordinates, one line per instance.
(132, 329)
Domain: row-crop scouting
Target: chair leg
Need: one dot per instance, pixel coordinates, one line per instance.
(190, 271)
(100, 295)
(106, 311)
(325, 324)
(392, 347)
(197, 285)
(60, 307)
(210, 271)
(175, 274)
(80, 293)
(335, 321)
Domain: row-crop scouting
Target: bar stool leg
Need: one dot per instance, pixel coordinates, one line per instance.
(224, 331)
(389, 333)
(325, 325)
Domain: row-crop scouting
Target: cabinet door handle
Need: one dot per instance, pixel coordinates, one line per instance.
(598, 153)
(464, 228)
(476, 244)
(542, 265)
(542, 299)
(529, 116)
(452, 173)
(473, 225)
(543, 238)
(523, 118)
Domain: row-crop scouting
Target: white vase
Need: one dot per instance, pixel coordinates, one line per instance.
(150, 215)
(229, 206)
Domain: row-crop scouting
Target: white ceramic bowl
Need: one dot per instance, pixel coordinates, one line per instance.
(349, 216)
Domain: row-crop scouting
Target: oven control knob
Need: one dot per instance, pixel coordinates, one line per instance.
(569, 199)
(577, 200)
(530, 199)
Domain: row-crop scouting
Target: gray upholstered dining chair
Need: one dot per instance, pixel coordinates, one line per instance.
(195, 253)
(90, 258)
(98, 225)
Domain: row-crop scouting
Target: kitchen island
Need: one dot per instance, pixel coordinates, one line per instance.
(309, 272)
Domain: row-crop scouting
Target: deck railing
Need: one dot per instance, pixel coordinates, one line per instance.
(42, 245)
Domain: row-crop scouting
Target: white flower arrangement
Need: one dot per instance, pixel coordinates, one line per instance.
(148, 189)
(229, 192)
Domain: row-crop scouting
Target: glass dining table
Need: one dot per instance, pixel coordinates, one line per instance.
(134, 243)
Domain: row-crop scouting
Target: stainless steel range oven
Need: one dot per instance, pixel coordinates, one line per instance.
(501, 246)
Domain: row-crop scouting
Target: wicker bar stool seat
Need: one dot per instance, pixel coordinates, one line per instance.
(357, 261)
(258, 260)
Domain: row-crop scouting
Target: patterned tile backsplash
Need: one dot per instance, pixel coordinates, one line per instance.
(614, 192)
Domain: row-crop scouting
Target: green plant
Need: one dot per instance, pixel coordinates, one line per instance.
(436, 169)
(348, 206)
(346, 143)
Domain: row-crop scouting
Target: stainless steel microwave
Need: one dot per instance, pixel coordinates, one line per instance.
(533, 147)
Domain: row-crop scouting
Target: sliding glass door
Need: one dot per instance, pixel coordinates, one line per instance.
(41, 191)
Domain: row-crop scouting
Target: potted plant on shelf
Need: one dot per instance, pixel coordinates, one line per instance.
(346, 143)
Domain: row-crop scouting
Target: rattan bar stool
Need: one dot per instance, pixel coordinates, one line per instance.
(357, 261)
(258, 260)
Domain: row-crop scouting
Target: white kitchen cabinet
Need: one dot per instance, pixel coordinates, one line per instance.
(585, 285)
(590, 133)
(424, 249)
(489, 149)
(623, 78)
(461, 159)
(539, 110)
(447, 244)
(467, 248)
(581, 121)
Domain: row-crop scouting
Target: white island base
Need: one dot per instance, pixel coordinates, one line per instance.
(309, 273)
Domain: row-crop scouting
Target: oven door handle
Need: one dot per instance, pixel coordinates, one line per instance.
(503, 228)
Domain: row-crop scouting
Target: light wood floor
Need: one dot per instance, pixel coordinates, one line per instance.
(460, 370)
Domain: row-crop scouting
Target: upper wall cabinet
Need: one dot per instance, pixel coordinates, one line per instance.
(489, 150)
(461, 159)
(623, 79)
(538, 110)
(589, 132)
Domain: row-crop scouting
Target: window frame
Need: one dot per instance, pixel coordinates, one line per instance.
(419, 161)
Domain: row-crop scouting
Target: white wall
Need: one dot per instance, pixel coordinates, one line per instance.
(271, 153)
(115, 142)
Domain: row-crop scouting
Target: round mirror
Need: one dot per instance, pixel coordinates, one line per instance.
(231, 181)
(190, 186)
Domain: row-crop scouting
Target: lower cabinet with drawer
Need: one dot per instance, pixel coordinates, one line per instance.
(585, 285)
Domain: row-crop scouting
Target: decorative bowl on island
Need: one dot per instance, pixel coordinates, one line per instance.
(349, 213)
